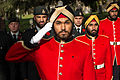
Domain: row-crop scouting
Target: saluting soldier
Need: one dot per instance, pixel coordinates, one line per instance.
(40, 19)
(111, 27)
(101, 52)
(62, 57)
(79, 28)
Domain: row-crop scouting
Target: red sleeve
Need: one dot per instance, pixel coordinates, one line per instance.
(89, 71)
(108, 63)
(19, 53)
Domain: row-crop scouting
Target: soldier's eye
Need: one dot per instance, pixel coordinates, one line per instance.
(38, 17)
(96, 24)
(58, 22)
(68, 22)
(90, 24)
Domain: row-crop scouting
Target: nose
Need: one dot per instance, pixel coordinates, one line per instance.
(41, 19)
(94, 27)
(63, 26)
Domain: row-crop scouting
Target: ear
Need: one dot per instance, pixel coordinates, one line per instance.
(8, 25)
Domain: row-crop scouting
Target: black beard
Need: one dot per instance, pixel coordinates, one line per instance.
(65, 38)
(40, 26)
(112, 19)
(92, 34)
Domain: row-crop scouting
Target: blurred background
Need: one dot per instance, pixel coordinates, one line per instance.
(24, 9)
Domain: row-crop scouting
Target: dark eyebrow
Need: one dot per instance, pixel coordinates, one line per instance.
(67, 20)
(58, 21)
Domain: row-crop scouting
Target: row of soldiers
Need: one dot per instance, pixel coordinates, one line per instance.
(61, 51)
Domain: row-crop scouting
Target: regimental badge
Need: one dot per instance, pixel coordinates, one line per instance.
(43, 11)
(80, 13)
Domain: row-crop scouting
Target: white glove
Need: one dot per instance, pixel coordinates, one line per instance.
(41, 33)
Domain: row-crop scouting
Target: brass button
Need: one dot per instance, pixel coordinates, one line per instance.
(61, 65)
(94, 62)
(93, 49)
(94, 58)
(93, 44)
(60, 73)
(62, 45)
(62, 51)
(61, 58)
(93, 53)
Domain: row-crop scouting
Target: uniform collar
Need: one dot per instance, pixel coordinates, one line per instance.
(37, 28)
(111, 19)
(90, 37)
(66, 41)
(15, 33)
(78, 27)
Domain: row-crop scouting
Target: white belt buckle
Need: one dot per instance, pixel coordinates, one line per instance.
(114, 43)
(99, 66)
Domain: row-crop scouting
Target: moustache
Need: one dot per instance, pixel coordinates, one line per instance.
(114, 15)
(41, 21)
(94, 30)
(63, 31)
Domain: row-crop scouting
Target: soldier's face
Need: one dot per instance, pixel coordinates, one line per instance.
(63, 27)
(14, 26)
(78, 20)
(41, 20)
(113, 14)
(92, 29)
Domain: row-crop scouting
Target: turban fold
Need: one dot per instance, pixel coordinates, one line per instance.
(111, 6)
(65, 10)
(91, 18)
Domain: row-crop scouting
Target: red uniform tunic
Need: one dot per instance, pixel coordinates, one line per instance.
(112, 30)
(57, 61)
(101, 56)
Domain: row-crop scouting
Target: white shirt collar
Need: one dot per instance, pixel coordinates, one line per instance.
(37, 28)
(79, 28)
(15, 34)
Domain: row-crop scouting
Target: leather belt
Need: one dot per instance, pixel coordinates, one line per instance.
(114, 43)
(99, 66)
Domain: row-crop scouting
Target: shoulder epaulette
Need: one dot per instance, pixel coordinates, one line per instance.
(48, 38)
(104, 36)
(80, 35)
(82, 42)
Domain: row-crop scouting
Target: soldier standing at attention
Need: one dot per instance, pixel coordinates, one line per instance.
(79, 28)
(101, 51)
(110, 27)
(18, 71)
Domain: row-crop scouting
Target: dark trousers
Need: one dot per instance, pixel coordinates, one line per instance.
(32, 72)
(13, 70)
(4, 71)
(116, 72)
(18, 71)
